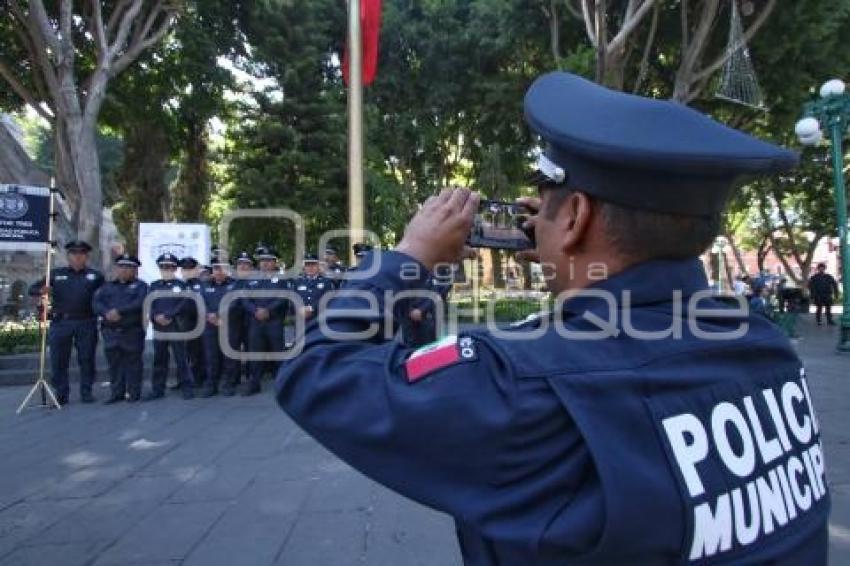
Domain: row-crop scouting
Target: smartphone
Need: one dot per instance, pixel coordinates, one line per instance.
(498, 225)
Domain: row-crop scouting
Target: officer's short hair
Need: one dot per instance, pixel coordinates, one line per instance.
(643, 234)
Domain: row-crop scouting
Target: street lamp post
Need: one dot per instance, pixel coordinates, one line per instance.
(832, 111)
(719, 248)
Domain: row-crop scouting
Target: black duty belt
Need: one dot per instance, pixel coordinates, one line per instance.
(70, 316)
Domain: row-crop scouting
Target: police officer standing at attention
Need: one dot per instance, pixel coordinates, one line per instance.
(190, 271)
(642, 421)
(168, 314)
(245, 273)
(119, 305)
(266, 316)
(73, 322)
(311, 286)
(218, 366)
(335, 270)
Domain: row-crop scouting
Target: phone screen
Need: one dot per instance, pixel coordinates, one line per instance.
(498, 225)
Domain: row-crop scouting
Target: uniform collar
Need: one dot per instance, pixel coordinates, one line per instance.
(653, 281)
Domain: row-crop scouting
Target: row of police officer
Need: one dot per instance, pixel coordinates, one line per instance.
(255, 323)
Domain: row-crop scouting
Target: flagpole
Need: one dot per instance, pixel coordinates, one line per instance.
(356, 216)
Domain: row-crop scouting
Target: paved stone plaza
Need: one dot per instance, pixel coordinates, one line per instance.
(232, 481)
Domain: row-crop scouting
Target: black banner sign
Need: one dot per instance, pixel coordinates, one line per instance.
(24, 217)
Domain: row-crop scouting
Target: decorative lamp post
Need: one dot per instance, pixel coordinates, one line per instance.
(832, 113)
(719, 248)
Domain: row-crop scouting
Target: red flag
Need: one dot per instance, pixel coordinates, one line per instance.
(370, 28)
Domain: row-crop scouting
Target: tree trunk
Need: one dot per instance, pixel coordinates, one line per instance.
(736, 251)
(761, 254)
(615, 70)
(78, 177)
(141, 180)
(498, 261)
(192, 189)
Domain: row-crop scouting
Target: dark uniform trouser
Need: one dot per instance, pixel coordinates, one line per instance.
(195, 355)
(218, 366)
(823, 305)
(83, 335)
(160, 361)
(244, 342)
(124, 348)
(265, 336)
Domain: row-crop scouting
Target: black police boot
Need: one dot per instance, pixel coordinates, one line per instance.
(114, 399)
(188, 393)
(62, 400)
(134, 397)
(154, 395)
(210, 391)
(87, 397)
(228, 390)
(251, 388)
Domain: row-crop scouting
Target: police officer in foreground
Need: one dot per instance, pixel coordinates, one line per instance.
(641, 422)
(311, 286)
(73, 322)
(169, 314)
(266, 316)
(119, 305)
(220, 369)
(190, 271)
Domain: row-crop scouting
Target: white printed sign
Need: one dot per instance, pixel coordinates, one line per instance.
(182, 240)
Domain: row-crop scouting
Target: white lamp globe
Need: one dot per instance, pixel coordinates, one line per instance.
(813, 139)
(807, 127)
(834, 87)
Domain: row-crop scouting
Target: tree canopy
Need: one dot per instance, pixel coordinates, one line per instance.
(446, 107)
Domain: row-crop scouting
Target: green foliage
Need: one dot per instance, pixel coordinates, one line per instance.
(446, 108)
(18, 338)
(289, 150)
(161, 107)
(504, 309)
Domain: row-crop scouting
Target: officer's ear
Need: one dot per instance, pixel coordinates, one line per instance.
(574, 220)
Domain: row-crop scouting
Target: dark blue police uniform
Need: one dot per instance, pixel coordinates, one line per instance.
(424, 331)
(311, 288)
(641, 422)
(124, 339)
(220, 368)
(72, 323)
(242, 320)
(175, 309)
(360, 250)
(335, 270)
(265, 335)
(194, 347)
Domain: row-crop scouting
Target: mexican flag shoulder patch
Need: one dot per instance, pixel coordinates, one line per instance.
(438, 355)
